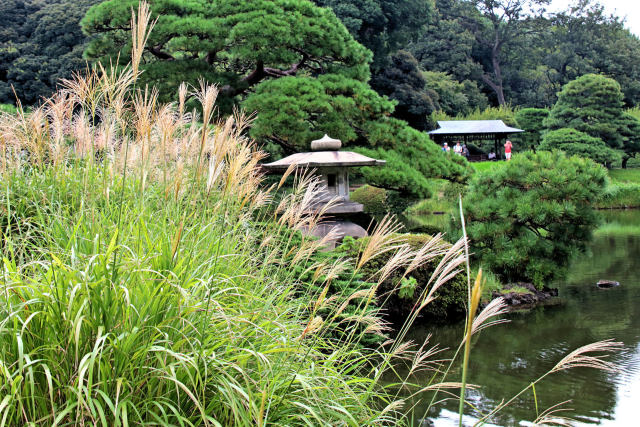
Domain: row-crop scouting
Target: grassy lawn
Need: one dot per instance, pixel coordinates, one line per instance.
(8, 108)
(625, 175)
(485, 166)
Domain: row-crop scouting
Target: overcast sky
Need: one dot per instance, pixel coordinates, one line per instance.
(629, 9)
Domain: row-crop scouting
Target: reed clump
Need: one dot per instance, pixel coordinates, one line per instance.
(144, 280)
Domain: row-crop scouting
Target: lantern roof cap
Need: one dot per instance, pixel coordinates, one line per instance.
(324, 154)
(324, 159)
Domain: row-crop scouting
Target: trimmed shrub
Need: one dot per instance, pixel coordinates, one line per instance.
(373, 198)
(593, 104)
(576, 143)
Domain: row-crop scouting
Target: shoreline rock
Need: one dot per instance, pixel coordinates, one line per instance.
(607, 284)
(518, 299)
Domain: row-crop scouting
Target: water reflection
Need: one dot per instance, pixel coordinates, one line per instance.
(507, 357)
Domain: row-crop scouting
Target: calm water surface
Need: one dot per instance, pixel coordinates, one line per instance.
(505, 358)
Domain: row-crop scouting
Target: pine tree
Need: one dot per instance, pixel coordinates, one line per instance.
(593, 104)
(526, 219)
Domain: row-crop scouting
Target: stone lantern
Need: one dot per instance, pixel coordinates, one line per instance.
(332, 167)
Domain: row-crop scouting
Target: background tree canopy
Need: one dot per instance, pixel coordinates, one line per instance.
(292, 62)
(40, 43)
(509, 52)
(383, 26)
(453, 57)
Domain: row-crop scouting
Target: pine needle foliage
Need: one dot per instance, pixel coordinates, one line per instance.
(593, 104)
(527, 218)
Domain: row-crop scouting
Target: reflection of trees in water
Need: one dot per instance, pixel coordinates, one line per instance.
(506, 358)
(612, 311)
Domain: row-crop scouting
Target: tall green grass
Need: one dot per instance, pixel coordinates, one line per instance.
(147, 279)
(177, 316)
(620, 195)
(623, 192)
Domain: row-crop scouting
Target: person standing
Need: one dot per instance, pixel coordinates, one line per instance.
(465, 151)
(458, 149)
(446, 148)
(507, 150)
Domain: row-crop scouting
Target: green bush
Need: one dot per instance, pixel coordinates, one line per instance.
(526, 219)
(452, 190)
(374, 199)
(576, 143)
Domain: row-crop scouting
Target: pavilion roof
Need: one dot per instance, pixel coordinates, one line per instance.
(324, 159)
(473, 127)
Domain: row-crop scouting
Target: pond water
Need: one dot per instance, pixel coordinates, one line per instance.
(505, 358)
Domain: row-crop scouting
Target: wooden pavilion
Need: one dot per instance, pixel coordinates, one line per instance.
(451, 131)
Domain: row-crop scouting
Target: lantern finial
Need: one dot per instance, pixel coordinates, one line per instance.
(326, 144)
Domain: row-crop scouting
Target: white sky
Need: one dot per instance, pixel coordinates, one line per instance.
(629, 9)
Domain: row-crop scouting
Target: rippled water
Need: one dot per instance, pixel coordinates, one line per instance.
(506, 358)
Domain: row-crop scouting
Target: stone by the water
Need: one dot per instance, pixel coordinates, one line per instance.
(606, 284)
